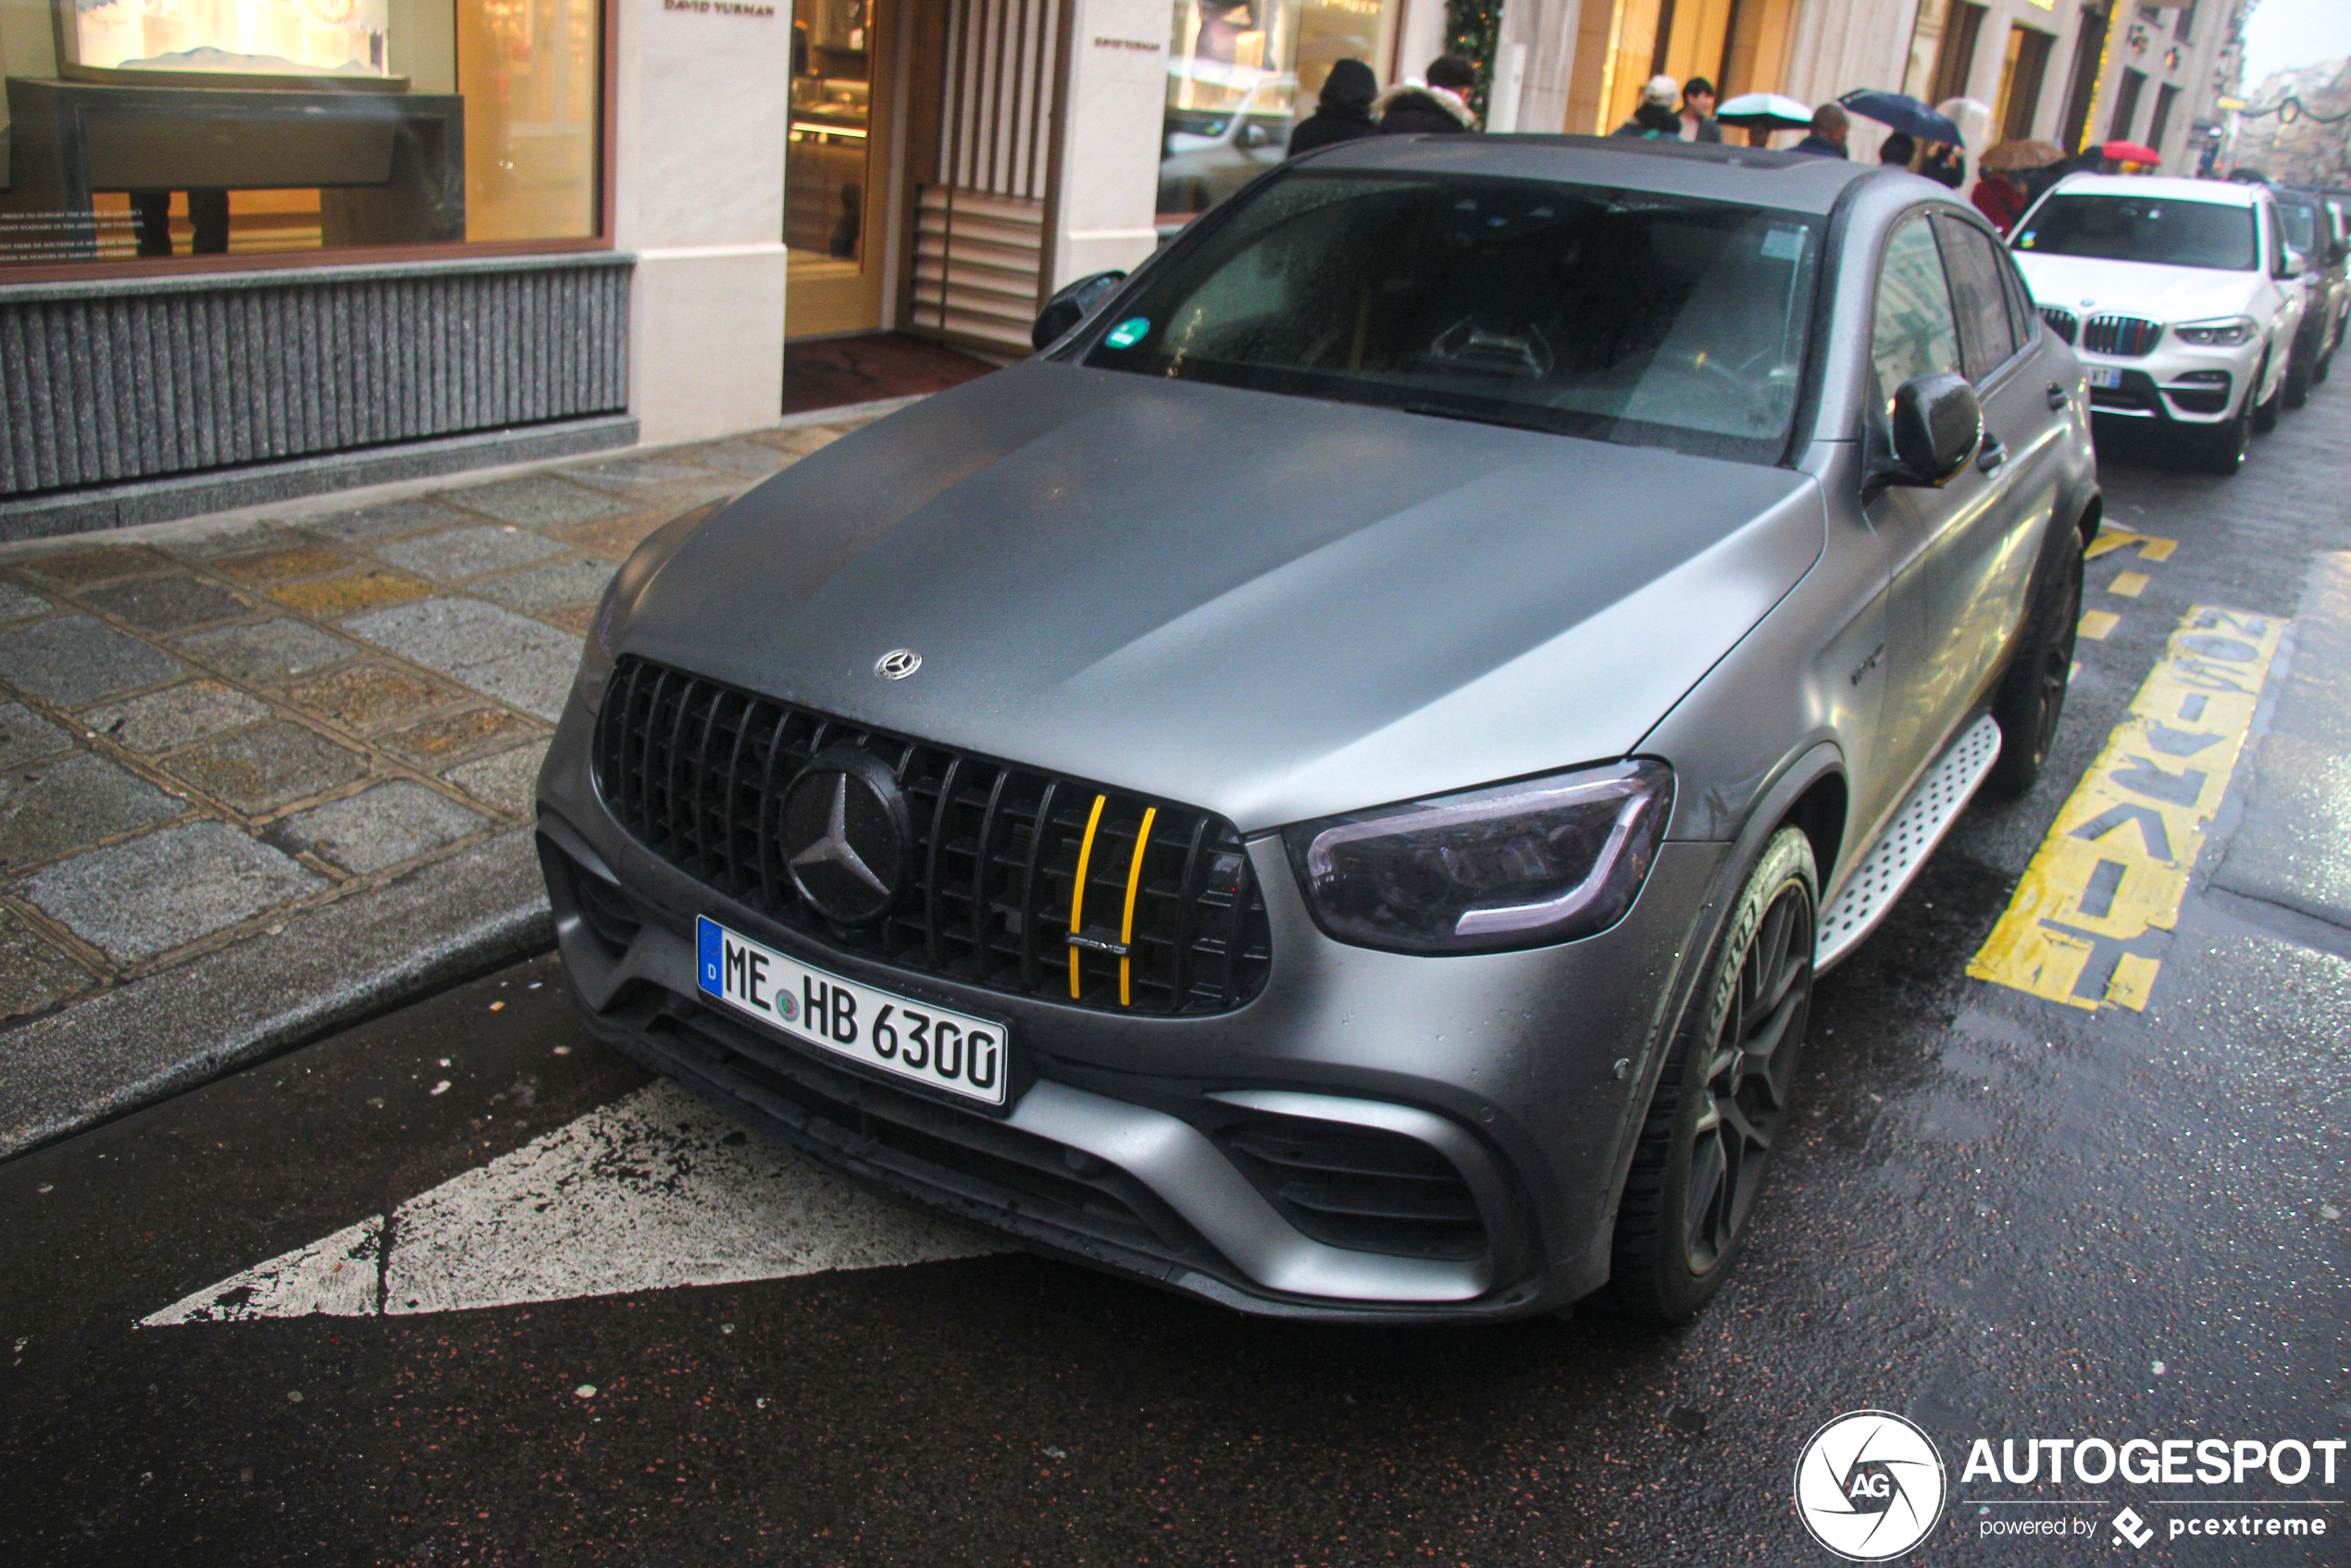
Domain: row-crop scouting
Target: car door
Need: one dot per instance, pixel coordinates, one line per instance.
(2024, 426)
(1938, 543)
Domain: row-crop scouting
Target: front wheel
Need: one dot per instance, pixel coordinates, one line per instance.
(2032, 694)
(1723, 1097)
(2220, 449)
(2265, 414)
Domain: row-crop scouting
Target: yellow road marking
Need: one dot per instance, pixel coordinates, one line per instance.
(2097, 624)
(1134, 885)
(2149, 547)
(2115, 865)
(1077, 894)
(2128, 584)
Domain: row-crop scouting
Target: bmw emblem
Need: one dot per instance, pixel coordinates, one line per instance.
(898, 664)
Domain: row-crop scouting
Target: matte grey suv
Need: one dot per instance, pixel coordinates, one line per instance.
(1327, 790)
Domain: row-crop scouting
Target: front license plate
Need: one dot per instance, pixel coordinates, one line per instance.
(2101, 376)
(950, 1051)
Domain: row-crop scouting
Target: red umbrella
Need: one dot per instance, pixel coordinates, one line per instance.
(2131, 152)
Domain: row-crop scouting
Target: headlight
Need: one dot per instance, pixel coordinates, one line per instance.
(629, 584)
(2227, 333)
(1514, 865)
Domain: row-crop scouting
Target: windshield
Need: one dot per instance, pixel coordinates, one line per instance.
(1620, 314)
(2161, 230)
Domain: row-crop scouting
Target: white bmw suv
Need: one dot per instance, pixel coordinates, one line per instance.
(2181, 297)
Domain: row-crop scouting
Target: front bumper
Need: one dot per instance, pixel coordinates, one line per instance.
(1509, 1084)
(2177, 383)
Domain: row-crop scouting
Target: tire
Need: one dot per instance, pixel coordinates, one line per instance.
(1702, 1154)
(2265, 414)
(2296, 390)
(2032, 694)
(2220, 449)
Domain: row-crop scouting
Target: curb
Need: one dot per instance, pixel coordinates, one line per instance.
(168, 1033)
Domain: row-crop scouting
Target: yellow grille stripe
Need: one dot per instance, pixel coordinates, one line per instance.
(1134, 883)
(1077, 894)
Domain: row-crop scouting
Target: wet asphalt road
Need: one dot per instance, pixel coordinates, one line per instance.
(1996, 1215)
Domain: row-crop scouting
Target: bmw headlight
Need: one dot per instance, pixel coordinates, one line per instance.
(2229, 332)
(603, 649)
(1514, 866)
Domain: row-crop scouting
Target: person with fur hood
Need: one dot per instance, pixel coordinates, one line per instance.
(1441, 107)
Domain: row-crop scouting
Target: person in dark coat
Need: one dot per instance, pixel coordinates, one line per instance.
(1830, 125)
(1344, 111)
(1944, 163)
(1698, 123)
(1898, 150)
(1653, 116)
(1441, 107)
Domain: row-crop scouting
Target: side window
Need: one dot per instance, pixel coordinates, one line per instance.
(2025, 315)
(1986, 338)
(1913, 333)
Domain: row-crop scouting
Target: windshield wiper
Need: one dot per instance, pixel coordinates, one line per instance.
(1516, 418)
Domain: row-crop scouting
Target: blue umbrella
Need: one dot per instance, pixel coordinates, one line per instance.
(1904, 113)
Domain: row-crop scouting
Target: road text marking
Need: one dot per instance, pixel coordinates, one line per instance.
(2085, 925)
(2130, 585)
(2097, 624)
(653, 1191)
(2149, 547)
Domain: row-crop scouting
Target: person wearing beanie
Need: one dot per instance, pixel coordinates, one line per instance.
(1440, 107)
(1654, 116)
(1344, 111)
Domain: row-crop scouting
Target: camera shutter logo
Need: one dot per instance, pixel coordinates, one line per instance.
(1869, 1485)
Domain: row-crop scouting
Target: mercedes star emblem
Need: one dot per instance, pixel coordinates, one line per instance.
(848, 836)
(898, 664)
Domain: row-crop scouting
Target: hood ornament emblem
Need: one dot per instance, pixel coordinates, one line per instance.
(898, 664)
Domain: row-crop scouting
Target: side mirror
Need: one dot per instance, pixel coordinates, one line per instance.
(2290, 263)
(1070, 305)
(1937, 427)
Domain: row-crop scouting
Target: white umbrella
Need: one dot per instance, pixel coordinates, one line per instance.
(1766, 111)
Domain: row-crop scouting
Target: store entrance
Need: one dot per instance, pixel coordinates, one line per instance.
(837, 166)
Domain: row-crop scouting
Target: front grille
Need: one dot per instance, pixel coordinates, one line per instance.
(2062, 322)
(2126, 336)
(1364, 1188)
(696, 772)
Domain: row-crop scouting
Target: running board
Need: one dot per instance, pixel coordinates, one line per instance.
(1911, 837)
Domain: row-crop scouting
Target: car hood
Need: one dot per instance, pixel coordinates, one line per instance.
(1272, 607)
(2137, 288)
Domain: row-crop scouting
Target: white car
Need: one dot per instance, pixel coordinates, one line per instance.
(2181, 297)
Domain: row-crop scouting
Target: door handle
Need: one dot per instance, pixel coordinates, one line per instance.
(1993, 455)
(2057, 397)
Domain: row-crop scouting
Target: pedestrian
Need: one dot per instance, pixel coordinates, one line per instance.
(1653, 116)
(1944, 164)
(1344, 111)
(1439, 106)
(1898, 150)
(1697, 111)
(1999, 197)
(1830, 127)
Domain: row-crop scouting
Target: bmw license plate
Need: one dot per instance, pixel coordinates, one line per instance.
(950, 1051)
(2104, 375)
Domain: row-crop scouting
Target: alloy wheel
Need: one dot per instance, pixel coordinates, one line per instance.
(1751, 1064)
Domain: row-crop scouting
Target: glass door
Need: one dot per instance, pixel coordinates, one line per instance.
(834, 161)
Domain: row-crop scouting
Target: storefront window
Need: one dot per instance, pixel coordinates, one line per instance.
(825, 172)
(177, 127)
(1241, 74)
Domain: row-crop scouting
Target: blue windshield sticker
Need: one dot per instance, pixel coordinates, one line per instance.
(1127, 333)
(2025, 241)
(1784, 241)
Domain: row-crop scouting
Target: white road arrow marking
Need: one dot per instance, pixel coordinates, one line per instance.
(645, 1194)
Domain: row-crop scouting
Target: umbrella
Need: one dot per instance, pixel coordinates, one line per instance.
(1904, 113)
(1765, 111)
(2009, 157)
(2131, 152)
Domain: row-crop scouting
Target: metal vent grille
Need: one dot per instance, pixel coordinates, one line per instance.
(696, 771)
(2064, 323)
(2128, 336)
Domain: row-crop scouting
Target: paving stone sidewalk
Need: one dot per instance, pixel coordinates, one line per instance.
(220, 727)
